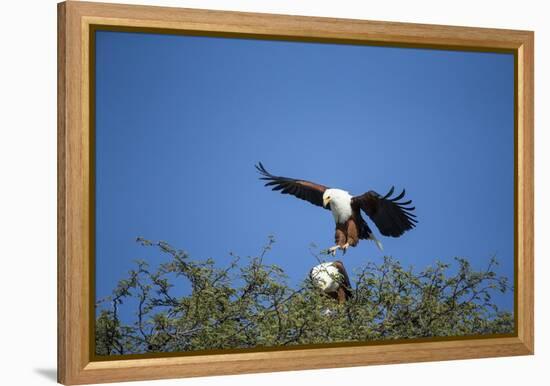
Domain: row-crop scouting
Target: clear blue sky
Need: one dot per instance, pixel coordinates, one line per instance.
(181, 121)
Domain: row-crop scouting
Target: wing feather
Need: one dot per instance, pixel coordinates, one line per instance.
(391, 217)
(344, 276)
(304, 190)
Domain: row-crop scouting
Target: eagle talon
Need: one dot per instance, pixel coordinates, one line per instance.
(344, 248)
(332, 250)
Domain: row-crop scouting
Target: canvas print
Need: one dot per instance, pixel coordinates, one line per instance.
(256, 194)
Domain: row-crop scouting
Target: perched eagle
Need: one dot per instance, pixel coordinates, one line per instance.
(391, 217)
(332, 279)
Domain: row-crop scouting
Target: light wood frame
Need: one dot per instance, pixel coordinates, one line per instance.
(76, 364)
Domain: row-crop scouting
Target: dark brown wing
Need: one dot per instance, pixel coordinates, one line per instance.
(345, 278)
(389, 215)
(304, 190)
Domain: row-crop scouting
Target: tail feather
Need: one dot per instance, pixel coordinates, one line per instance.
(378, 243)
(366, 234)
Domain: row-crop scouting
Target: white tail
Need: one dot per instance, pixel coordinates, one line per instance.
(378, 243)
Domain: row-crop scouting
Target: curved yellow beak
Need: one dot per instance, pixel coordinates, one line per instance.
(326, 201)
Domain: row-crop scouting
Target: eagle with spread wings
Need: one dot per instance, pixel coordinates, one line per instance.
(391, 216)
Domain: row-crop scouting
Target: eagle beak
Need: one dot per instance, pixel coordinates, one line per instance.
(325, 202)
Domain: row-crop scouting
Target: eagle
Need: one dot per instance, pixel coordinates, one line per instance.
(332, 279)
(391, 216)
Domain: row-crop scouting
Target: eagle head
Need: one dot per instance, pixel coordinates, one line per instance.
(326, 198)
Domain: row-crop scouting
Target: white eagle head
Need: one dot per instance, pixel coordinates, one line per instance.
(326, 198)
(339, 196)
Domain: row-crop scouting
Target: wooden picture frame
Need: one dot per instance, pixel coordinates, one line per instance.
(76, 23)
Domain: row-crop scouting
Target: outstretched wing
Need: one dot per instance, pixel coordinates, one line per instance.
(389, 215)
(304, 190)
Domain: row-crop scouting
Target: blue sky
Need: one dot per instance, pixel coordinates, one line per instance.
(181, 121)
